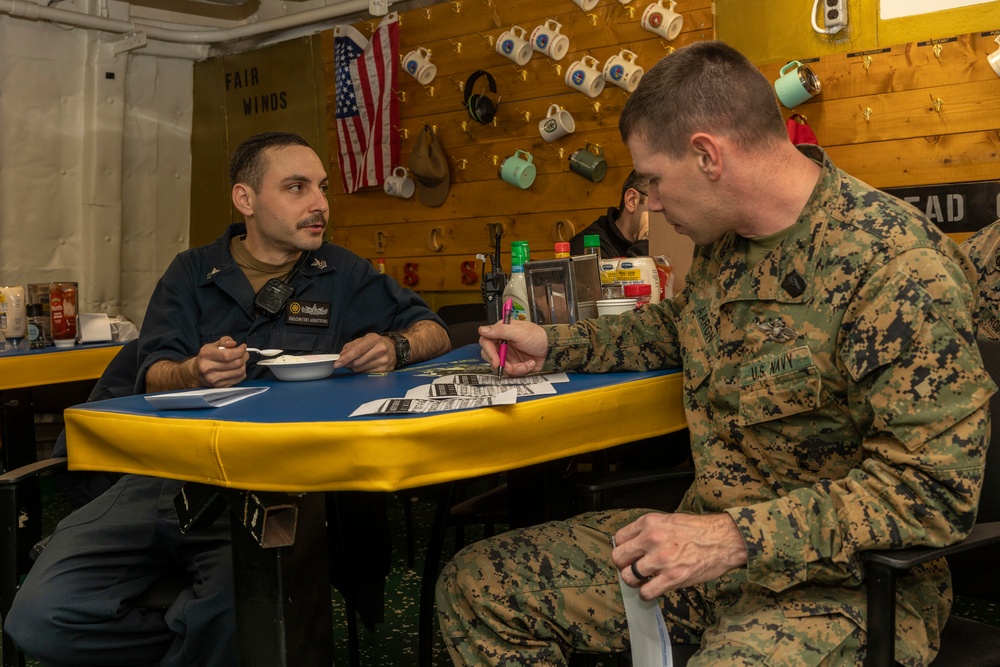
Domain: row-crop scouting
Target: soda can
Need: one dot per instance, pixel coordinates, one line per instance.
(63, 310)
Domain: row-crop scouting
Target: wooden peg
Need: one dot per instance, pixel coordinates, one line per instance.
(563, 230)
(380, 241)
(432, 240)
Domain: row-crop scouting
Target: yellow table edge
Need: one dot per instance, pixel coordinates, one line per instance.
(33, 370)
(375, 455)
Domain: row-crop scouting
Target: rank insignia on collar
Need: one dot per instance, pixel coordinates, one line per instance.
(777, 331)
(212, 272)
(794, 284)
(319, 263)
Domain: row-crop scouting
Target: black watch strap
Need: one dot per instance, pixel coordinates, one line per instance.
(402, 345)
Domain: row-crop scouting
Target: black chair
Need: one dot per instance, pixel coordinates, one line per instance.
(965, 642)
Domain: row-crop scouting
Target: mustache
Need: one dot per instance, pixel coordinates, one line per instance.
(315, 218)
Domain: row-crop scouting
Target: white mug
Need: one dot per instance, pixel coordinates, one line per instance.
(584, 75)
(994, 58)
(623, 71)
(513, 44)
(399, 184)
(558, 122)
(547, 39)
(586, 5)
(663, 21)
(417, 64)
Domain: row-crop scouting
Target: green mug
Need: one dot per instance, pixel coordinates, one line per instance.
(589, 163)
(796, 84)
(517, 169)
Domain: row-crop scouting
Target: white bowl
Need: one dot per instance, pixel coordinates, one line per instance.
(293, 368)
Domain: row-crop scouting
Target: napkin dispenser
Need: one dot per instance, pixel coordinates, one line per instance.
(563, 291)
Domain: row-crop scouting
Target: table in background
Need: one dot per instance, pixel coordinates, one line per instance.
(297, 437)
(22, 371)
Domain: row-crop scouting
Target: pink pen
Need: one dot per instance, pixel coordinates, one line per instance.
(508, 310)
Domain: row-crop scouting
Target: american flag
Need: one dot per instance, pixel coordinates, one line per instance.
(367, 109)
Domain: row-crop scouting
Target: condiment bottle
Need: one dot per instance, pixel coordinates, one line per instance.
(36, 327)
(517, 287)
(641, 292)
(562, 250)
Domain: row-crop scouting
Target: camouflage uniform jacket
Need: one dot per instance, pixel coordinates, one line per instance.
(834, 393)
(983, 248)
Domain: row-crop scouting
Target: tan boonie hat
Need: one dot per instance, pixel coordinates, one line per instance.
(429, 168)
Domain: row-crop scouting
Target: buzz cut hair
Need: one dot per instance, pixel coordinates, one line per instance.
(707, 86)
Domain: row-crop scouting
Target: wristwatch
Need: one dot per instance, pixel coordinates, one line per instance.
(402, 348)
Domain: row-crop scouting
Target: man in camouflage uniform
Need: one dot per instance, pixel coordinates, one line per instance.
(834, 393)
(983, 248)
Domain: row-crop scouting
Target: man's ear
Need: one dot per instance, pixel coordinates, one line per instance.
(632, 199)
(243, 198)
(708, 153)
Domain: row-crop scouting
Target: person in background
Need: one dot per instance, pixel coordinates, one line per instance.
(624, 231)
(834, 393)
(76, 606)
(983, 249)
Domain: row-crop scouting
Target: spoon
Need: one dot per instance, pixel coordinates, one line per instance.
(263, 353)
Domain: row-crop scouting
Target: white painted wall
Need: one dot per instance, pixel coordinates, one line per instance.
(94, 171)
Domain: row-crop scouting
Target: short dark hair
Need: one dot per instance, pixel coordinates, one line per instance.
(707, 86)
(248, 163)
(634, 182)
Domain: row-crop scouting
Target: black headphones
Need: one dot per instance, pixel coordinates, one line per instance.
(481, 108)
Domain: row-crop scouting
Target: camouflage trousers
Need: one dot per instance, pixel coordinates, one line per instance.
(537, 595)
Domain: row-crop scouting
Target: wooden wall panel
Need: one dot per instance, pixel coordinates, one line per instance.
(460, 36)
(930, 107)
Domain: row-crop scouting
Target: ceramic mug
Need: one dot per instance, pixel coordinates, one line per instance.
(796, 83)
(558, 122)
(399, 184)
(513, 44)
(589, 163)
(547, 39)
(584, 75)
(586, 5)
(518, 170)
(417, 64)
(623, 71)
(663, 21)
(994, 58)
